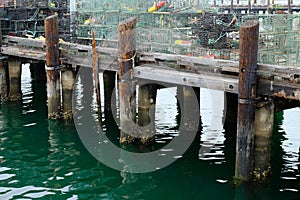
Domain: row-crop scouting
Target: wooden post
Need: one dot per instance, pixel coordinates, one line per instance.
(52, 66)
(127, 96)
(3, 81)
(146, 112)
(67, 81)
(249, 7)
(197, 93)
(268, 7)
(289, 7)
(109, 79)
(231, 104)
(96, 72)
(247, 95)
(231, 6)
(73, 11)
(38, 71)
(14, 71)
(188, 111)
(3, 74)
(264, 121)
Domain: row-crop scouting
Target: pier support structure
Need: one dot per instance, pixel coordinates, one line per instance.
(3, 74)
(127, 86)
(264, 122)
(37, 70)
(67, 81)
(146, 112)
(109, 81)
(14, 71)
(246, 100)
(3, 81)
(52, 66)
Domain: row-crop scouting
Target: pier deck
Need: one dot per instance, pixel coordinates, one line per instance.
(273, 80)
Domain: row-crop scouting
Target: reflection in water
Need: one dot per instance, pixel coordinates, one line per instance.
(46, 159)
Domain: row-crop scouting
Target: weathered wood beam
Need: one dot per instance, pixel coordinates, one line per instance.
(212, 81)
(247, 98)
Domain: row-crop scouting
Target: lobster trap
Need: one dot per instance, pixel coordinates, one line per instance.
(279, 38)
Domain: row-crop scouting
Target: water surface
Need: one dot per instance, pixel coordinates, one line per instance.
(42, 159)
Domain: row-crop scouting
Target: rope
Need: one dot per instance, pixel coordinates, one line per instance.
(129, 59)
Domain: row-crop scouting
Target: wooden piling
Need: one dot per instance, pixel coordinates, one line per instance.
(3, 81)
(52, 66)
(188, 110)
(289, 7)
(3, 74)
(247, 96)
(249, 6)
(109, 79)
(37, 70)
(146, 112)
(14, 74)
(126, 61)
(264, 122)
(268, 7)
(67, 81)
(231, 104)
(96, 71)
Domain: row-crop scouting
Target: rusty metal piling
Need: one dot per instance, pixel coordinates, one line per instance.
(246, 102)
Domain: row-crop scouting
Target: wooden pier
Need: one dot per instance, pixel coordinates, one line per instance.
(261, 89)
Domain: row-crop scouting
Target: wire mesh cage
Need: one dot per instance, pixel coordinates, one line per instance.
(174, 26)
(279, 38)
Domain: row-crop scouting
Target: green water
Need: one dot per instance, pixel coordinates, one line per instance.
(41, 159)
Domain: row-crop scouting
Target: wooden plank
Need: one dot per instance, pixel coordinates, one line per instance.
(24, 53)
(211, 81)
(19, 41)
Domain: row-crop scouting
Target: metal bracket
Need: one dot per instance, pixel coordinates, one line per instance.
(129, 59)
(3, 57)
(59, 67)
(251, 101)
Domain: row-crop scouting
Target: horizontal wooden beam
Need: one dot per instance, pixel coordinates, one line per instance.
(167, 75)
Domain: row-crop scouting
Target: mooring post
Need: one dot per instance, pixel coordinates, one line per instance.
(146, 112)
(246, 103)
(14, 74)
(264, 122)
(67, 81)
(52, 66)
(126, 61)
